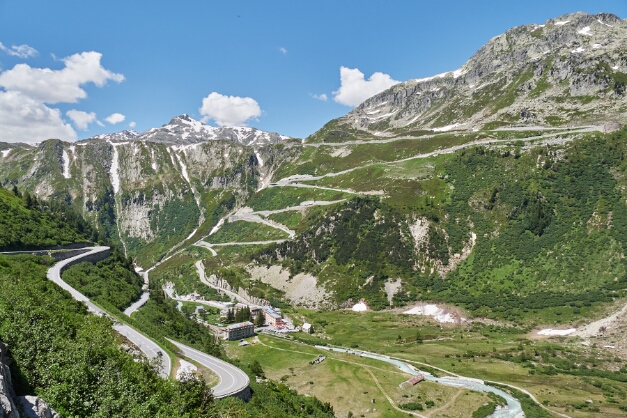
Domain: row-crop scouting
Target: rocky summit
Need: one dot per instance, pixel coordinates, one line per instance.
(569, 71)
(183, 130)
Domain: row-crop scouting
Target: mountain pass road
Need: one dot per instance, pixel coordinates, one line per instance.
(145, 344)
(232, 379)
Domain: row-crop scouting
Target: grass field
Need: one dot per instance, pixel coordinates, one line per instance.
(476, 351)
(351, 383)
(242, 231)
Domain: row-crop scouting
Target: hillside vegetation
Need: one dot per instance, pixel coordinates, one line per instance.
(29, 223)
(500, 230)
(73, 360)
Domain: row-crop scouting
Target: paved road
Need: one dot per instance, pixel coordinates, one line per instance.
(200, 268)
(572, 129)
(249, 216)
(146, 345)
(143, 298)
(295, 180)
(232, 379)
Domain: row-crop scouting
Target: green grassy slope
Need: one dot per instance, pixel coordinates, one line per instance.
(550, 224)
(26, 223)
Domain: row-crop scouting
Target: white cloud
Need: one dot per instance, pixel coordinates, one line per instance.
(354, 88)
(115, 118)
(132, 124)
(283, 50)
(229, 110)
(22, 51)
(56, 86)
(322, 97)
(24, 114)
(23, 119)
(99, 123)
(81, 119)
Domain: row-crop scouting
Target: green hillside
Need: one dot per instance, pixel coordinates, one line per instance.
(549, 221)
(74, 360)
(28, 223)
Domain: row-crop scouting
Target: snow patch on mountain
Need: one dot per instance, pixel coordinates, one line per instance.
(114, 173)
(66, 165)
(183, 130)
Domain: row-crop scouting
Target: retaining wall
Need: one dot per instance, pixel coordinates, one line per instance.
(92, 258)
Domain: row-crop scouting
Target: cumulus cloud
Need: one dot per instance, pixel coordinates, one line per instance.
(322, 97)
(115, 118)
(25, 93)
(354, 88)
(283, 50)
(229, 110)
(21, 51)
(23, 119)
(100, 123)
(132, 124)
(56, 86)
(81, 119)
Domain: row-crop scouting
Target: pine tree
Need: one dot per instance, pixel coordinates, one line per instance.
(230, 316)
(260, 320)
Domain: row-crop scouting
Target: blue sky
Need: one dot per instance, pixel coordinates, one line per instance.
(160, 59)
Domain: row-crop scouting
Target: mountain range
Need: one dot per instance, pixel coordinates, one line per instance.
(445, 168)
(568, 71)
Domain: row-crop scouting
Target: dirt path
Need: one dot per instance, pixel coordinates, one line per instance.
(364, 366)
(446, 405)
(376, 381)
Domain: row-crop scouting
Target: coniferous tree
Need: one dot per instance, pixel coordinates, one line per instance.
(260, 320)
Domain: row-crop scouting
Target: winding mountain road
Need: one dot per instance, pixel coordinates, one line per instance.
(233, 380)
(295, 180)
(145, 344)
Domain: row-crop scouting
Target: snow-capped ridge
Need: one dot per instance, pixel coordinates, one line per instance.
(184, 130)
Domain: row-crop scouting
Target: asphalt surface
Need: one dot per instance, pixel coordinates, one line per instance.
(232, 379)
(146, 345)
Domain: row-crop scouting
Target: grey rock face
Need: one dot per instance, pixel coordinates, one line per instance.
(30, 406)
(183, 130)
(571, 70)
(34, 407)
(8, 408)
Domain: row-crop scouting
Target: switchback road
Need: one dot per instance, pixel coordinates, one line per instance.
(232, 380)
(145, 344)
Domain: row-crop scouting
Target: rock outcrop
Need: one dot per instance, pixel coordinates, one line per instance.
(8, 409)
(12, 406)
(569, 71)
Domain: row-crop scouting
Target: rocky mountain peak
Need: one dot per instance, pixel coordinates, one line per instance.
(184, 130)
(570, 70)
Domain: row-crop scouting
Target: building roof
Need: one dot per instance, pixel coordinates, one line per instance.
(240, 325)
(272, 313)
(306, 325)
